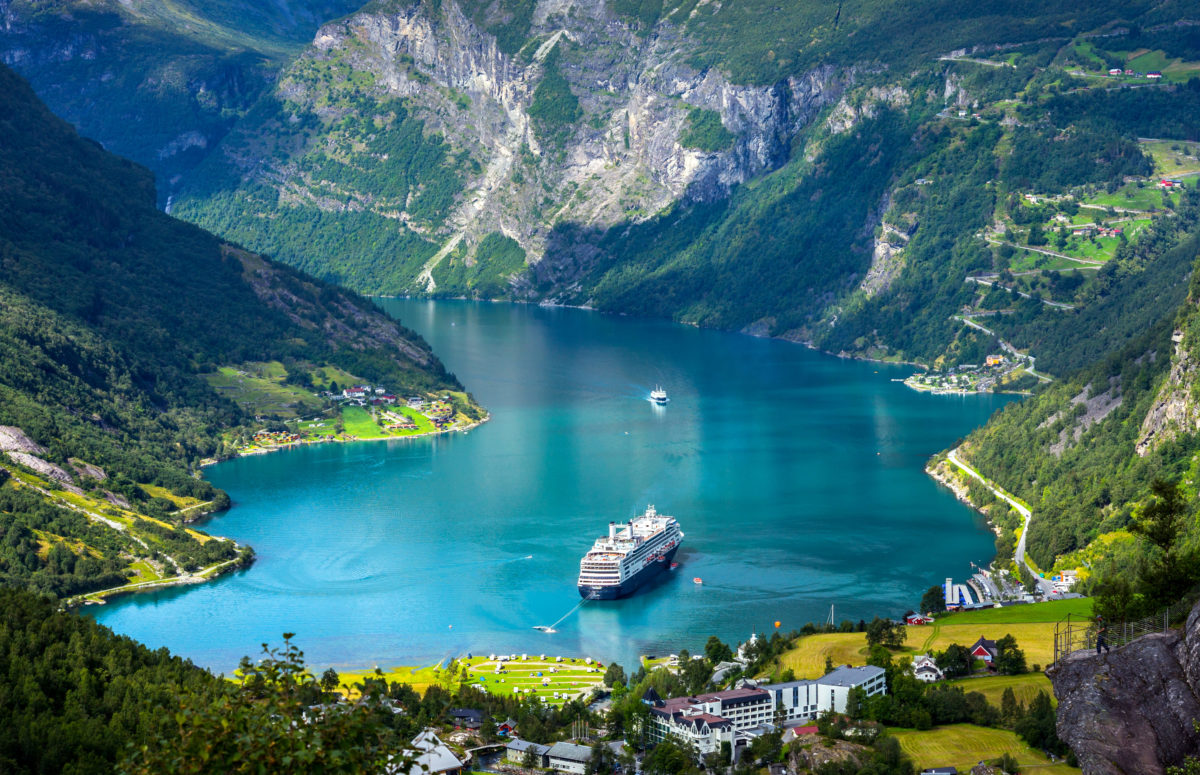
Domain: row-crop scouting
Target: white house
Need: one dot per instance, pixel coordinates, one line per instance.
(434, 758)
(516, 751)
(925, 668)
(569, 757)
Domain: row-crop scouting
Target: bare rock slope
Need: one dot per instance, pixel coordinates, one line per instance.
(1131, 711)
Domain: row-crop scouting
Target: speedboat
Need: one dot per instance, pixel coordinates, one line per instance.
(658, 395)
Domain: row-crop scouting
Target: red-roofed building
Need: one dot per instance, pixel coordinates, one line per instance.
(985, 649)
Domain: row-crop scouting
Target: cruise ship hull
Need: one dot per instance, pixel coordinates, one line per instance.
(631, 584)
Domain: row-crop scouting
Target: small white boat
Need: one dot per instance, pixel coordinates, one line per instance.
(658, 395)
(544, 628)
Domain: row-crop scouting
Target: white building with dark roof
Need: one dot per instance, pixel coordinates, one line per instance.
(707, 720)
(433, 757)
(516, 750)
(569, 757)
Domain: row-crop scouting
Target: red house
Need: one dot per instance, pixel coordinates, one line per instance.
(916, 620)
(985, 649)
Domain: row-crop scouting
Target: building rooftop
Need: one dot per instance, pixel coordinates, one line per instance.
(435, 756)
(851, 676)
(522, 746)
(571, 752)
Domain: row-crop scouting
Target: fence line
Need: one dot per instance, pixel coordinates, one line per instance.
(1071, 635)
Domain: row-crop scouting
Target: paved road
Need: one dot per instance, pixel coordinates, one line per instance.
(1047, 302)
(1044, 252)
(1019, 555)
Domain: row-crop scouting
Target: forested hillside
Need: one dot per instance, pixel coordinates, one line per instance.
(111, 316)
(157, 81)
(936, 183)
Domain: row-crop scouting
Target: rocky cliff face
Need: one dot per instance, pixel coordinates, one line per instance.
(1132, 711)
(621, 161)
(1175, 409)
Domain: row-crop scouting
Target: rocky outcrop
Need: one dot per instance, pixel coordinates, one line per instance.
(13, 439)
(1132, 711)
(1175, 409)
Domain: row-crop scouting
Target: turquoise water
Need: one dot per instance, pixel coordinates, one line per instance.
(797, 478)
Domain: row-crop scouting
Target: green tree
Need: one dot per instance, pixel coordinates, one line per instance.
(267, 725)
(1174, 568)
(716, 651)
(956, 660)
(933, 601)
(603, 760)
(856, 700)
(614, 675)
(1010, 709)
(1010, 660)
(885, 632)
(330, 680)
(669, 757)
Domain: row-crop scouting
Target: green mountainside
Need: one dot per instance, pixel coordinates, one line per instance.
(875, 192)
(113, 319)
(157, 81)
(943, 184)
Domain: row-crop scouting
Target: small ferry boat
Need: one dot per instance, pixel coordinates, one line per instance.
(658, 395)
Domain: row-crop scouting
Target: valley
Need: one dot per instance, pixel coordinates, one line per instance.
(229, 229)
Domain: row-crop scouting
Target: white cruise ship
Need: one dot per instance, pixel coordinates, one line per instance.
(630, 555)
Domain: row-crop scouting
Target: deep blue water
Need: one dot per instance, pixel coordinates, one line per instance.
(797, 477)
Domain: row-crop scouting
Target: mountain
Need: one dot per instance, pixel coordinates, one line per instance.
(666, 161)
(933, 183)
(114, 319)
(156, 81)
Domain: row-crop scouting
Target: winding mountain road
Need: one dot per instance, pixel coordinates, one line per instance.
(1019, 555)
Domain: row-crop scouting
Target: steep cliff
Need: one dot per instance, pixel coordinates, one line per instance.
(1132, 711)
(588, 123)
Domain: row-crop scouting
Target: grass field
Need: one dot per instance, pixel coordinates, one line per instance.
(1169, 162)
(1173, 69)
(1032, 626)
(965, 745)
(180, 501)
(572, 676)
(1053, 611)
(259, 388)
(1025, 687)
(360, 424)
(1130, 197)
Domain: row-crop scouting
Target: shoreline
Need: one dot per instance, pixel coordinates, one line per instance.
(335, 440)
(212, 572)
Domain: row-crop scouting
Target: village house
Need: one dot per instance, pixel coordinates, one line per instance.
(917, 620)
(467, 717)
(1154, 74)
(985, 649)
(516, 750)
(569, 757)
(506, 728)
(925, 668)
(434, 757)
